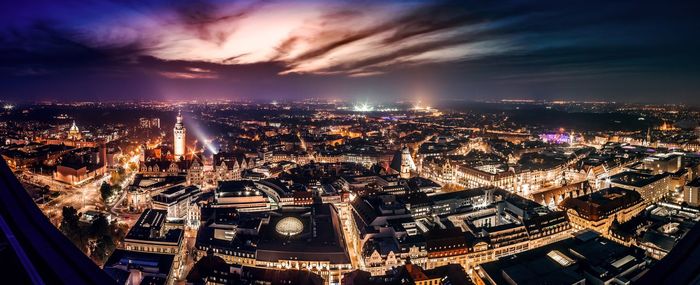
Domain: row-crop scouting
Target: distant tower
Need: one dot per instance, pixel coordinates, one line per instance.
(74, 132)
(179, 142)
(142, 152)
(403, 163)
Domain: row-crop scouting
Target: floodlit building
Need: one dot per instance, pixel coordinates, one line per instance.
(180, 202)
(74, 132)
(651, 187)
(403, 163)
(152, 253)
(598, 210)
(179, 136)
(298, 238)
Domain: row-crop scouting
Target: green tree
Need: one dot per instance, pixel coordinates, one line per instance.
(70, 220)
(106, 191)
(99, 227)
(103, 248)
(70, 226)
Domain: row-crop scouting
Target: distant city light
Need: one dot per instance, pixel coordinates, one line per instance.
(364, 107)
(8, 107)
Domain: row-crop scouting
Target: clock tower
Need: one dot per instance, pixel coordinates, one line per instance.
(179, 133)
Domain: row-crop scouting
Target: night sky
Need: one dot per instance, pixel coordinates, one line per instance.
(627, 51)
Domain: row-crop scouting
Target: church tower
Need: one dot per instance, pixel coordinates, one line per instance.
(179, 140)
(74, 132)
(403, 163)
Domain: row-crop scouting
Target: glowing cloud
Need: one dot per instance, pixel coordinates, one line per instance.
(306, 37)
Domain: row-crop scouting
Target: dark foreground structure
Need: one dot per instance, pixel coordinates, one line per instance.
(32, 250)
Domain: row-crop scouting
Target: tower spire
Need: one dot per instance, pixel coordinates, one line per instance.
(179, 133)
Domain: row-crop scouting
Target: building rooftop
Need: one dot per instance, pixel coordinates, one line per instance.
(175, 194)
(636, 179)
(587, 257)
(154, 265)
(151, 227)
(314, 233)
(598, 205)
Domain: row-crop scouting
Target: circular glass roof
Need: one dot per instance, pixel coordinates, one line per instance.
(289, 226)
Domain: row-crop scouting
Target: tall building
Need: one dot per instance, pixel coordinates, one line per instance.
(179, 141)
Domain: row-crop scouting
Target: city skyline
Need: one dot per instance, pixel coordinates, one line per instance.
(314, 142)
(316, 192)
(630, 51)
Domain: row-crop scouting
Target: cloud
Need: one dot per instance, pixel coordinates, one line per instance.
(308, 37)
(190, 73)
(338, 38)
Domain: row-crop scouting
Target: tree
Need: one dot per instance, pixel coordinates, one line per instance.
(70, 226)
(115, 178)
(103, 248)
(118, 175)
(99, 227)
(70, 220)
(106, 191)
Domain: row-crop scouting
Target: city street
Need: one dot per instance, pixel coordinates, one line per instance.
(85, 197)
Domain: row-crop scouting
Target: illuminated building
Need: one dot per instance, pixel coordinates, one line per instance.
(584, 259)
(212, 269)
(439, 169)
(228, 166)
(147, 123)
(598, 210)
(485, 176)
(75, 174)
(179, 135)
(298, 238)
(80, 165)
(153, 251)
(691, 193)
(386, 233)
(141, 190)
(663, 163)
(180, 203)
(241, 194)
(23, 156)
(410, 274)
(651, 187)
(403, 163)
(472, 227)
(74, 132)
